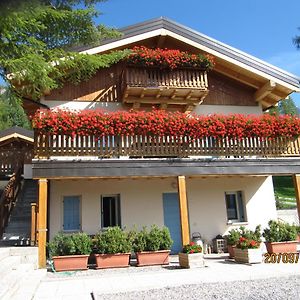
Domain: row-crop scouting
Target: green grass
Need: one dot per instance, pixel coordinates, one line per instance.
(284, 192)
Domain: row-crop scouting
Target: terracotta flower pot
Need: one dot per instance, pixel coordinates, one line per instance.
(250, 256)
(119, 260)
(282, 247)
(298, 237)
(70, 262)
(231, 249)
(191, 261)
(149, 258)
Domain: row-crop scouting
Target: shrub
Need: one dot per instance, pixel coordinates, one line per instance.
(233, 237)
(280, 232)
(70, 244)
(111, 241)
(153, 240)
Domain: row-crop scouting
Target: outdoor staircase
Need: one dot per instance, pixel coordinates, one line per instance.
(18, 230)
(19, 276)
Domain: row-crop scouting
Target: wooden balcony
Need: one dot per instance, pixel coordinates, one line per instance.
(181, 88)
(137, 146)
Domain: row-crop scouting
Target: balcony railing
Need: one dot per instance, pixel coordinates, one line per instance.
(47, 146)
(155, 86)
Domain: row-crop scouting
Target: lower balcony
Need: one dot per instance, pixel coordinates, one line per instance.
(140, 146)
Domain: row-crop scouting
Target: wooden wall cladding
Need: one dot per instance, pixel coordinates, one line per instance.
(226, 91)
(104, 86)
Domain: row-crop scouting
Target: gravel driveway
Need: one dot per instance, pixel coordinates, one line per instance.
(287, 288)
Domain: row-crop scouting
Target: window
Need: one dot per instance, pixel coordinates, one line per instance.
(235, 206)
(110, 211)
(71, 213)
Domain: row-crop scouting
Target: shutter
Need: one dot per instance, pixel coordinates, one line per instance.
(71, 213)
(241, 206)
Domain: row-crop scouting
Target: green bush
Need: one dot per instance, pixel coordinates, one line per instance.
(113, 240)
(70, 244)
(233, 237)
(153, 240)
(280, 232)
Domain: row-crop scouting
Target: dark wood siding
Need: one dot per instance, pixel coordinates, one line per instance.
(104, 86)
(225, 91)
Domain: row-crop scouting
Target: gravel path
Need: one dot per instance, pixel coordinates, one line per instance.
(287, 288)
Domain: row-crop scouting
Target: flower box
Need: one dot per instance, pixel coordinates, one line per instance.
(251, 256)
(119, 260)
(282, 247)
(231, 249)
(70, 262)
(191, 260)
(150, 258)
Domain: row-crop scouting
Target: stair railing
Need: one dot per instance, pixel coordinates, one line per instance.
(9, 197)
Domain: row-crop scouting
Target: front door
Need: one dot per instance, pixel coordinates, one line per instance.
(172, 219)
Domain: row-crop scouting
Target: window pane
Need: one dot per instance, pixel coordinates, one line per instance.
(231, 207)
(111, 211)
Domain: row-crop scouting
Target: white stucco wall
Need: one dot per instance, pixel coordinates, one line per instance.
(141, 201)
(113, 106)
(79, 105)
(227, 109)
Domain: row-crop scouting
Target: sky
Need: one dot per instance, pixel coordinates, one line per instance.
(263, 28)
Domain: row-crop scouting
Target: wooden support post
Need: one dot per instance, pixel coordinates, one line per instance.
(33, 224)
(183, 207)
(42, 221)
(296, 178)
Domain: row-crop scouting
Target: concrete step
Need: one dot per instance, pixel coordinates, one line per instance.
(8, 264)
(29, 285)
(11, 281)
(4, 252)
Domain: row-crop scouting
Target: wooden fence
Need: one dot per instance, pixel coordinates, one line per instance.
(161, 146)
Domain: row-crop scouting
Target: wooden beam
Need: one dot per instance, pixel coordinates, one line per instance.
(183, 207)
(174, 94)
(296, 179)
(42, 221)
(33, 224)
(163, 106)
(265, 90)
(189, 95)
(136, 105)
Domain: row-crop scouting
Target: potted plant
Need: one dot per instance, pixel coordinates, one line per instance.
(280, 237)
(248, 246)
(152, 247)
(232, 239)
(70, 251)
(191, 256)
(298, 233)
(112, 248)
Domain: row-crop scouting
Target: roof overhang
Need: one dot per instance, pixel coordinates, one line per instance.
(271, 82)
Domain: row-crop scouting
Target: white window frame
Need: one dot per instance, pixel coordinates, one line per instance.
(240, 219)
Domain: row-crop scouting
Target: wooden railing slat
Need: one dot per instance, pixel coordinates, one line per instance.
(47, 145)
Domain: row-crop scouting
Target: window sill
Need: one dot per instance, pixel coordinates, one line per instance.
(237, 223)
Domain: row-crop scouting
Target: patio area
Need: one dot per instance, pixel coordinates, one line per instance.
(103, 284)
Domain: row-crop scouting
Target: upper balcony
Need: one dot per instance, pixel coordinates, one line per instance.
(182, 89)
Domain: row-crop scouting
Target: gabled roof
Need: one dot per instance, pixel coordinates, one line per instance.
(16, 132)
(166, 27)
